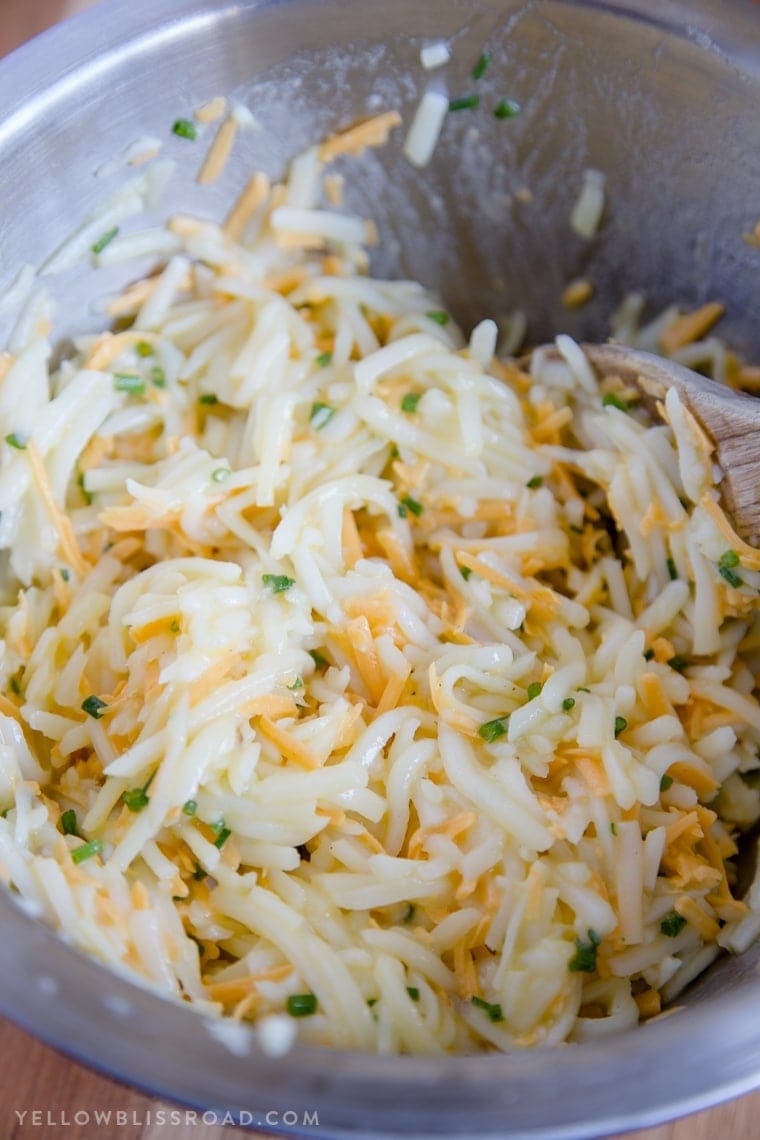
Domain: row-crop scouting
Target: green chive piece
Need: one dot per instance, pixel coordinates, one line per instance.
(302, 1005)
(278, 583)
(412, 505)
(730, 576)
(86, 495)
(439, 316)
(568, 703)
(506, 109)
(371, 1002)
(409, 915)
(402, 511)
(323, 360)
(105, 240)
(199, 874)
(576, 529)
(665, 783)
(582, 689)
(320, 415)
(222, 837)
(672, 569)
(65, 574)
(317, 658)
(464, 103)
(297, 684)
(14, 686)
(466, 572)
(69, 822)
(672, 924)
(136, 799)
(584, 959)
(410, 401)
(621, 724)
(678, 662)
(221, 474)
(87, 850)
(413, 992)
(534, 690)
(143, 348)
(15, 440)
(649, 654)
(481, 67)
(535, 482)
(175, 627)
(208, 399)
(613, 828)
(491, 1009)
(157, 376)
(190, 807)
(611, 400)
(493, 729)
(185, 129)
(93, 706)
(125, 382)
(729, 558)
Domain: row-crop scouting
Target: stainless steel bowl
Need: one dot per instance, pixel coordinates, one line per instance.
(663, 96)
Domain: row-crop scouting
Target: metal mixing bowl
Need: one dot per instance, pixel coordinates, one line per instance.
(661, 95)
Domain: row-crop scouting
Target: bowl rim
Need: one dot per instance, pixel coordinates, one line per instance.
(113, 1025)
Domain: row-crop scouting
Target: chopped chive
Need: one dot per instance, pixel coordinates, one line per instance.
(466, 572)
(412, 505)
(464, 102)
(672, 924)
(320, 415)
(86, 495)
(491, 1009)
(534, 690)
(87, 850)
(302, 1005)
(222, 837)
(534, 482)
(143, 348)
(93, 706)
(413, 992)
(65, 574)
(208, 399)
(665, 783)
(612, 400)
(323, 360)
(199, 874)
(105, 240)
(613, 828)
(14, 686)
(136, 799)
(402, 511)
(125, 382)
(190, 807)
(672, 570)
(371, 1002)
(185, 129)
(576, 529)
(621, 724)
(157, 376)
(481, 67)
(278, 583)
(582, 689)
(584, 959)
(439, 316)
(317, 658)
(221, 474)
(678, 662)
(730, 576)
(394, 452)
(297, 684)
(69, 822)
(568, 703)
(16, 440)
(729, 558)
(174, 626)
(506, 109)
(493, 729)
(410, 401)
(649, 654)
(409, 915)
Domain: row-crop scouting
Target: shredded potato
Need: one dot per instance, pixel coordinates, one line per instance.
(354, 674)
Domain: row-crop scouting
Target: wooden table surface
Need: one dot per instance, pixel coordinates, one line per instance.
(43, 1094)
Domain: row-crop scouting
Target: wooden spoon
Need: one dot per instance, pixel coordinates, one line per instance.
(731, 419)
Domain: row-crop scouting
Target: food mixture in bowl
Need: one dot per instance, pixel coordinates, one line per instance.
(357, 682)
